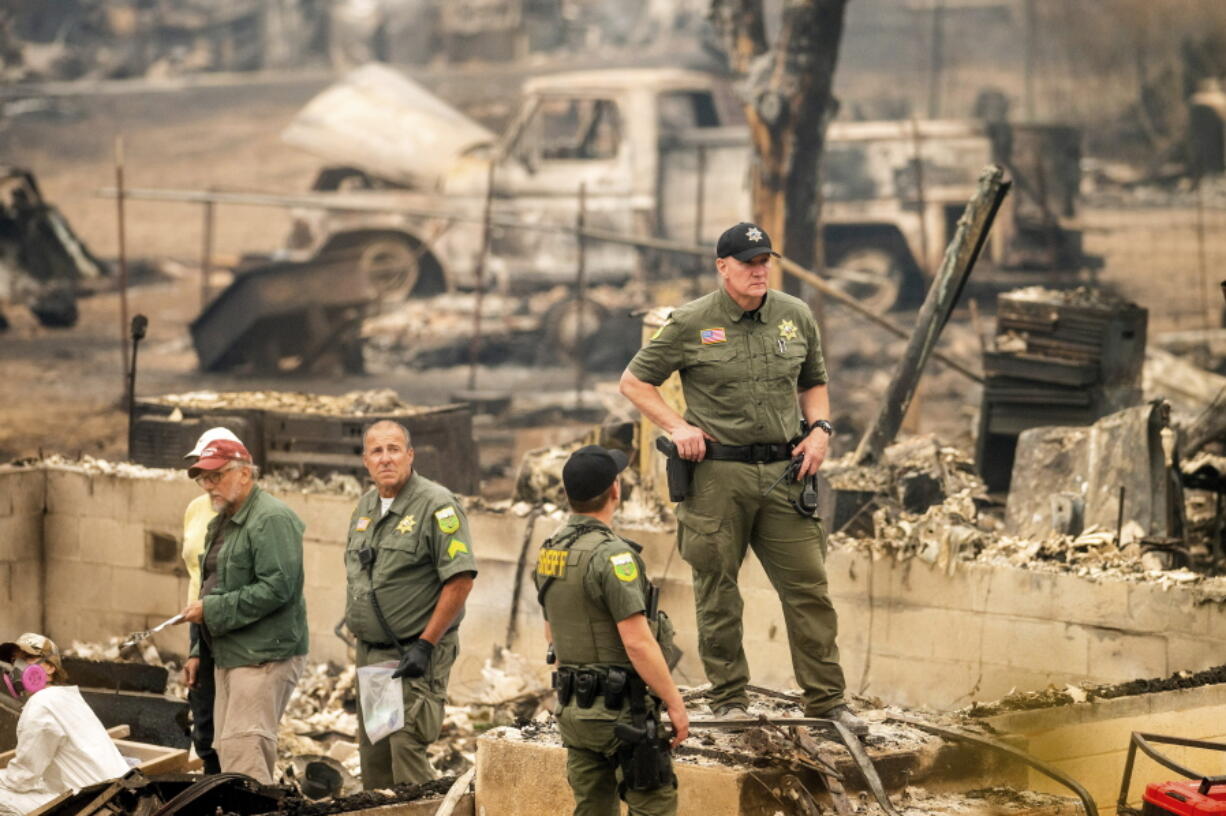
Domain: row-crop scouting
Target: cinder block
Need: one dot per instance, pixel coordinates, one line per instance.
(117, 543)
(326, 517)
(62, 536)
(1116, 657)
(501, 535)
(1038, 646)
(21, 535)
(22, 491)
(1021, 593)
(145, 593)
(1192, 654)
(1095, 603)
(1158, 609)
(658, 549)
(69, 492)
(911, 682)
(78, 586)
(159, 503)
(503, 763)
(324, 564)
(922, 584)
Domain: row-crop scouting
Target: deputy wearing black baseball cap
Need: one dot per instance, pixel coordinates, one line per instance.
(751, 368)
(745, 241)
(610, 644)
(590, 471)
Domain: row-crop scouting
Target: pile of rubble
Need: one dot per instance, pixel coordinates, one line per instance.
(358, 403)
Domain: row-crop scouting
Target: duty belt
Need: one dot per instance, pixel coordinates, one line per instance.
(585, 685)
(757, 454)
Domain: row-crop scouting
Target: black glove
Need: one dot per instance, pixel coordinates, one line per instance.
(416, 660)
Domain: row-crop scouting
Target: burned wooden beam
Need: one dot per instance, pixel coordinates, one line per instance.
(960, 257)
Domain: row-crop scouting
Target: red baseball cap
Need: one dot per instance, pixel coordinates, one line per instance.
(218, 454)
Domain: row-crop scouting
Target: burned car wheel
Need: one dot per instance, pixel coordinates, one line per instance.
(562, 325)
(872, 275)
(56, 310)
(391, 266)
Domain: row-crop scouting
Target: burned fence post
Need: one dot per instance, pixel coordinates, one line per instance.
(474, 346)
(580, 293)
(206, 254)
(122, 260)
(959, 260)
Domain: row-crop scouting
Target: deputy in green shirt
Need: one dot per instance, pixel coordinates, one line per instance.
(751, 368)
(610, 642)
(409, 567)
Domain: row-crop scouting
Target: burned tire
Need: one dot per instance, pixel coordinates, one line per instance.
(875, 276)
(391, 265)
(56, 310)
(562, 325)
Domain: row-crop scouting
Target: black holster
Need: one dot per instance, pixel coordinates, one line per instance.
(679, 471)
(644, 753)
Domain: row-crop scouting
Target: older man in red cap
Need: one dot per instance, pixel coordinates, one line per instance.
(251, 611)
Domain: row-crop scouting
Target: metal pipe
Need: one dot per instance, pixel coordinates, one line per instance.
(123, 257)
(580, 292)
(474, 345)
(140, 325)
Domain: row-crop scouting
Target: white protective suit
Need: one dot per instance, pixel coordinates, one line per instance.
(61, 746)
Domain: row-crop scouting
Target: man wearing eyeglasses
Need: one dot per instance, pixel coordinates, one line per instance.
(251, 611)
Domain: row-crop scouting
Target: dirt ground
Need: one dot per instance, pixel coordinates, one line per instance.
(63, 388)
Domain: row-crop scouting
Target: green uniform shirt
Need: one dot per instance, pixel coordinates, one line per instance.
(256, 611)
(423, 540)
(740, 372)
(598, 580)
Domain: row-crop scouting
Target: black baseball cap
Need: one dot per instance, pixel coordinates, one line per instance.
(744, 241)
(590, 471)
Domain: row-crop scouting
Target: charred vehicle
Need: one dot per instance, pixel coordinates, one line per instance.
(658, 153)
(43, 264)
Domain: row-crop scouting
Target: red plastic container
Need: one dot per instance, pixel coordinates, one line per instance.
(1183, 799)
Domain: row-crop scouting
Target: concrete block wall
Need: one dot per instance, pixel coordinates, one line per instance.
(1089, 741)
(22, 497)
(909, 633)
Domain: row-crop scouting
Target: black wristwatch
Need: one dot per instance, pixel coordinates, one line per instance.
(824, 425)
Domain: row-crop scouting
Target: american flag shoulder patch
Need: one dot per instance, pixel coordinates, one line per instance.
(709, 336)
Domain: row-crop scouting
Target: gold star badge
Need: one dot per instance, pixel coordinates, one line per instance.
(406, 524)
(788, 330)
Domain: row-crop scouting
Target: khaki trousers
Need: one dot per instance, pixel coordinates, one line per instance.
(725, 515)
(246, 712)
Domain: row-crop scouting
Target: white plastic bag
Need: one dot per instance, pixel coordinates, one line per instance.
(382, 700)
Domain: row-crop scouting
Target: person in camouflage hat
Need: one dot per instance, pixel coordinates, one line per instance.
(751, 369)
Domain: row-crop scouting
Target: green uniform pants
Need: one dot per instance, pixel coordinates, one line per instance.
(401, 757)
(726, 513)
(592, 768)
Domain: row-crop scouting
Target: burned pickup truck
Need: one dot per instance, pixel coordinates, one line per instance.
(660, 153)
(43, 264)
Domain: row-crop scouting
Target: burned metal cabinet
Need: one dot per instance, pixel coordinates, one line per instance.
(312, 443)
(1059, 358)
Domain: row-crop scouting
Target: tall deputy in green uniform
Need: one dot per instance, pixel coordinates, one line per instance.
(612, 674)
(409, 567)
(751, 367)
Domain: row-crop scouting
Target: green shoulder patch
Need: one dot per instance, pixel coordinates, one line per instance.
(624, 566)
(448, 519)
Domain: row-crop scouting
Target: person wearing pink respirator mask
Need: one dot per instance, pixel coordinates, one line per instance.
(61, 744)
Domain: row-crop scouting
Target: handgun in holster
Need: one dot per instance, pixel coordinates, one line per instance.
(644, 756)
(679, 471)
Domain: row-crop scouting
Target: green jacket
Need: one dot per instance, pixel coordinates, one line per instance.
(256, 613)
(740, 371)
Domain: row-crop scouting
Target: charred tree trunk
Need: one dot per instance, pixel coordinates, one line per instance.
(789, 100)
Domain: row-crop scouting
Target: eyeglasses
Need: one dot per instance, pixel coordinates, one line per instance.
(212, 479)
